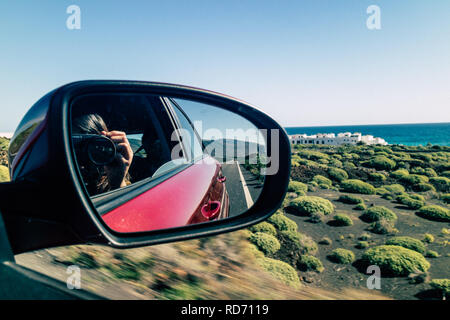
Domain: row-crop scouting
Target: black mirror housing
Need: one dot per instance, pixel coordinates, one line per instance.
(46, 204)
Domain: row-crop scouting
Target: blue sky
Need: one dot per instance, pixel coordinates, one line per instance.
(305, 63)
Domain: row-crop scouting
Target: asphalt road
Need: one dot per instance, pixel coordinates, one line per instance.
(242, 186)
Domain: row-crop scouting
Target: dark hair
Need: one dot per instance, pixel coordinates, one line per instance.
(94, 177)
(89, 124)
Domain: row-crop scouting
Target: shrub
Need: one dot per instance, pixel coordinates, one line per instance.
(314, 155)
(423, 187)
(400, 173)
(265, 242)
(297, 187)
(360, 207)
(413, 179)
(264, 227)
(364, 236)
(335, 163)
(379, 213)
(280, 270)
(349, 199)
(432, 254)
(446, 198)
(316, 217)
(375, 176)
(325, 241)
(338, 174)
(307, 205)
(357, 186)
(396, 260)
(302, 243)
(434, 212)
(362, 245)
(342, 256)
(343, 220)
(382, 227)
(85, 260)
(410, 202)
(321, 180)
(395, 188)
(381, 191)
(4, 174)
(381, 163)
(443, 285)
(428, 238)
(409, 243)
(282, 223)
(310, 263)
(441, 183)
(417, 197)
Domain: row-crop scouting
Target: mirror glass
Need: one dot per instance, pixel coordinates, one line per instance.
(151, 162)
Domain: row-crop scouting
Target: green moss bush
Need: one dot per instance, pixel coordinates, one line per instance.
(360, 207)
(342, 256)
(4, 174)
(441, 184)
(357, 186)
(267, 243)
(396, 260)
(321, 180)
(446, 198)
(342, 220)
(379, 213)
(301, 242)
(297, 187)
(337, 174)
(280, 270)
(381, 163)
(435, 212)
(310, 263)
(307, 205)
(428, 238)
(400, 173)
(349, 199)
(282, 223)
(408, 201)
(395, 188)
(264, 227)
(375, 176)
(408, 242)
(442, 285)
(423, 187)
(362, 245)
(413, 179)
(382, 227)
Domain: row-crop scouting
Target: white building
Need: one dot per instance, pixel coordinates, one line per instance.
(332, 139)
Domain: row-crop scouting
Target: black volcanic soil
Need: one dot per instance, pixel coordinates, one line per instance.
(337, 276)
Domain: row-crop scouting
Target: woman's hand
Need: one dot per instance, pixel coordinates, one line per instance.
(118, 169)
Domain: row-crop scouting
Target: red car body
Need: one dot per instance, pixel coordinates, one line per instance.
(194, 195)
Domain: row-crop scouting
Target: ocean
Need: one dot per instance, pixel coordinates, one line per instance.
(406, 134)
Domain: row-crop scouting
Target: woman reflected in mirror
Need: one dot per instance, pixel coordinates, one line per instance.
(114, 175)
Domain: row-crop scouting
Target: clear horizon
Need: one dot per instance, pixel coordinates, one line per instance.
(308, 63)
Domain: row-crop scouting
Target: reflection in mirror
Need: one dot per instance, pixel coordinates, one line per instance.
(151, 162)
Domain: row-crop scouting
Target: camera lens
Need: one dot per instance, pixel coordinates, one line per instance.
(101, 150)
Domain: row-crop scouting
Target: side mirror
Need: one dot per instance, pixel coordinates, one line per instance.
(136, 163)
